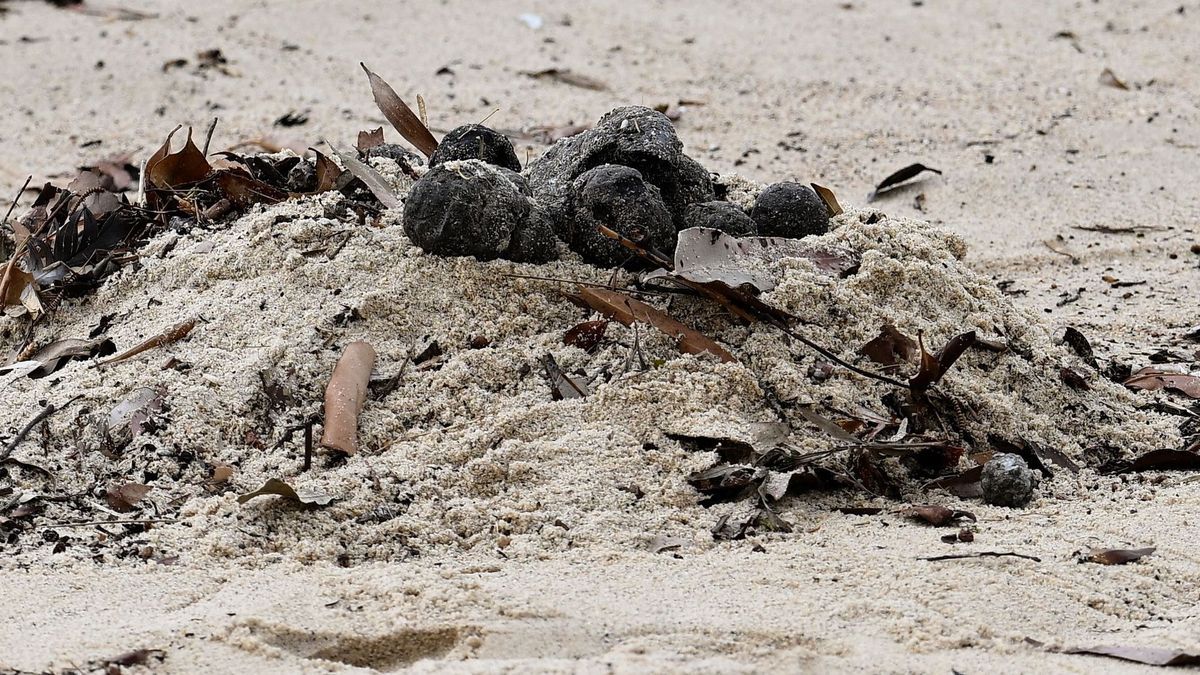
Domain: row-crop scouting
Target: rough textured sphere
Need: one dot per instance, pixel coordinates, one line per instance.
(465, 208)
(618, 198)
(475, 141)
(534, 240)
(790, 210)
(397, 153)
(723, 216)
(1007, 480)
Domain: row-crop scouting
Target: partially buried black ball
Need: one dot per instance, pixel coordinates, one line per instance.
(618, 198)
(790, 210)
(723, 216)
(465, 208)
(475, 141)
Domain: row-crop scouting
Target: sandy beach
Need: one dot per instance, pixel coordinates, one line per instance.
(483, 526)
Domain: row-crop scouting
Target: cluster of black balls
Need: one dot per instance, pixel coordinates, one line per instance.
(628, 173)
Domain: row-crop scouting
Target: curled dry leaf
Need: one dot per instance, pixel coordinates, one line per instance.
(369, 139)
(907, 173)
(627, 310)
(936, 515)
(166, 170)
(828, 197)
(244, 190)
(1116, 556)
(302, 496)
(344, 397)
(934, 366)
(1161, 460)
(400, 115)
(1109, 79)
(125, 497)
(1153, 378)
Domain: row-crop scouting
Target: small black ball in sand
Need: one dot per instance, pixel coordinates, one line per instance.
(723, 216)
(618, 198)
(1007, 480)
(475, 141)
(790, 210)
(465, 208)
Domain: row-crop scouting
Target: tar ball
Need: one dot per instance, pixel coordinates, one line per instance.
(465, 208)
(475, 141)
(534, 241)
(723, 216)
(302, 177)
(618, 198)
(1007, 480)
(790, 210)
(397, 153)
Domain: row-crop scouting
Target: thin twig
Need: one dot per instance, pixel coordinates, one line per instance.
(138, 521)
(49, 410)
(16, 199)
(982, 554)
(308, 445)
(212, 126)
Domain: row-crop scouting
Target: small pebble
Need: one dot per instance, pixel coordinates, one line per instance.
(790, 210)
(1007, 480)
(475, 141)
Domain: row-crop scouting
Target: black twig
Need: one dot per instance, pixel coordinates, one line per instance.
(49, 410)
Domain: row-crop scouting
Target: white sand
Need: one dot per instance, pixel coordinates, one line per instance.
(493, 533)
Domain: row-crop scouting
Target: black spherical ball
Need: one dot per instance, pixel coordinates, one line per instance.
(723, 216)
(475, 141)
(618, 198)
(465, 208)
(790, 210)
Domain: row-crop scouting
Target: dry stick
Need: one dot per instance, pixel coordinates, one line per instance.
(136, 521)
(982, 554)
(344, 397)
(308, 446)
(661, 260)
(208, 134)
(173, 334)
(49, 410)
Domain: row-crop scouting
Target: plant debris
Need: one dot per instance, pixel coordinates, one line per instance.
(125, 498)
(400, 115)
(562, 385)
(1151, 656)
(344, 397)
(1109, 79)
(981, 554)
(1115, 556)
(907, 173)
(568, 77)
(302, 496)
(627, 310)
(1153, 378)
(937, 515)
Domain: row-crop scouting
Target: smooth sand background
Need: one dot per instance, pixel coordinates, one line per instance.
(841, 93)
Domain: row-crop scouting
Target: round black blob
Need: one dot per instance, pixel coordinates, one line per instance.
(465, 208)
(618, 198)
(475, 141)
(723, 216)
(534, 241)
(790, 210)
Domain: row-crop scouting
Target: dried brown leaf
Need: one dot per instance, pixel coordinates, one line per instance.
(586, 335)
(1153, 378)
(907, 173)
(369, 139)
(936, 515)
(828, 197)
(934, 366)
(627, 310)
(400, 115)
(372, 178)
(890, 348)
(166, 170)
(1116, 556)
(302, 496)
(245, 191)
(125, 497)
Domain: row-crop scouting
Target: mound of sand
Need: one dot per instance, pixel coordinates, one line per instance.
(469, 451)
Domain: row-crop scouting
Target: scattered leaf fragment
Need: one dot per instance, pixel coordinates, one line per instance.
(1073, 379)
(1116, 556)
(125, 497)
(828, 197)
(890, 348)
(936, 515)
(1109, 79)
(934, 366)
(568, 77)
(627, 310)
(662, 543)
(586, 335)
(562, 385)
(302, 496)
